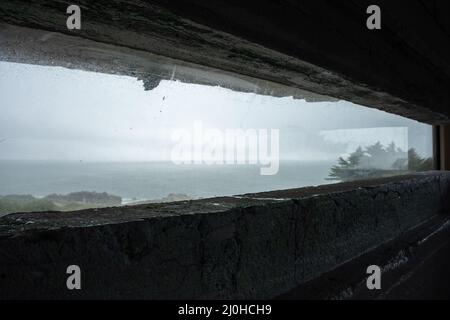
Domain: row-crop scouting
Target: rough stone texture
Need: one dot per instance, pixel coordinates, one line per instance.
(249, 246)
(320, 46)
(26, 45)
(414, 266)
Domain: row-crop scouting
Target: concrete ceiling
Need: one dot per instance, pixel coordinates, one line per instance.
(275, 47)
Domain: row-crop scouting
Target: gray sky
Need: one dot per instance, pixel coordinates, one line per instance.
(60, 114)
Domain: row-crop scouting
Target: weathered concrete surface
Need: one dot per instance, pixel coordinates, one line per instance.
(250, 246)
(413, 266)
(320, 46)
(26, 45)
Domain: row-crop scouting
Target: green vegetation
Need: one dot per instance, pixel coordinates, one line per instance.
(72, 202)
(86, 197)
(171, 197)
(417, 163)
(377, 161)
(24, 203)
(56, 202)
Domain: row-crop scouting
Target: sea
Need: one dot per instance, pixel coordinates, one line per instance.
(140, 181)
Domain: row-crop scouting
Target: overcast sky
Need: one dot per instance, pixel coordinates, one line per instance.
(60, 114)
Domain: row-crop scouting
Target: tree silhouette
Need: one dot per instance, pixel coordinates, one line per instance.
(376, 150)
(417, 163)
(394, 161)
(355, 158)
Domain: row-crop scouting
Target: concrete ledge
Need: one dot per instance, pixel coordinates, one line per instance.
(250, 246)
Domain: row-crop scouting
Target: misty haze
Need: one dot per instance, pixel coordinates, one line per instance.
(72, 139)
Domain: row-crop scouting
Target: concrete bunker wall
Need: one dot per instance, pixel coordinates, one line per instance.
(250, 246)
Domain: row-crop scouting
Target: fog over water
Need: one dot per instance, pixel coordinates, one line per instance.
(61, 114)
(66, 130)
